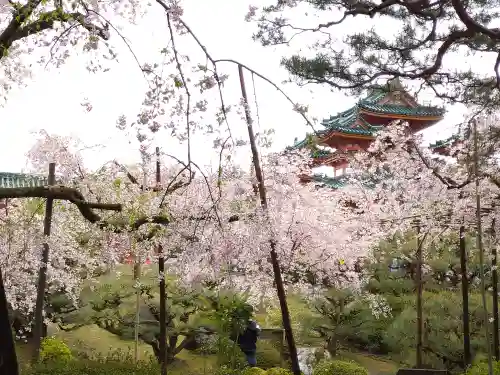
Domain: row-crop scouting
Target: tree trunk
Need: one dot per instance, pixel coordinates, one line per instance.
(419, 282)
(38, 329)
(278, 278)
(8, 364)
(494, 280)
(465, 298)
(163, 290)
(331, 345)
(479, 238)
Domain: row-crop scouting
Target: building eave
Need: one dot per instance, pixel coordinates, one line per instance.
(17, 180)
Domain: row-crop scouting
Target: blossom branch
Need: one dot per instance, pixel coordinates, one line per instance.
(184, 85)
(450, 183)
(61, 193)
(74, 196)
(210, 58)
(18, 29)
(214, 63)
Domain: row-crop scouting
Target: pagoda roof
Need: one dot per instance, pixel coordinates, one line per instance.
(16, 180)
(350, 123)
(331, 182)
(339, 182)
(444, 142)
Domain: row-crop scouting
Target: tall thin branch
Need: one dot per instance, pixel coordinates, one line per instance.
(285, 314)
(479, 238)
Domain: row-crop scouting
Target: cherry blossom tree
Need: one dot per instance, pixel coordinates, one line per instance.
(437, 193)
(312, 228)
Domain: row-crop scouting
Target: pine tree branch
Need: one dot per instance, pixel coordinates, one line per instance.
(61, 193)
(74, 196)
(18, 28)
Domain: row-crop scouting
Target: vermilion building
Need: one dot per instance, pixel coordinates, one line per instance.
(354, 129)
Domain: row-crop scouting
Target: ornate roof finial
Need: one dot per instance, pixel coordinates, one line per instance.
(395, 84)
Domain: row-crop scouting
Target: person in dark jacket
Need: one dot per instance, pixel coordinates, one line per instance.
(247, 341)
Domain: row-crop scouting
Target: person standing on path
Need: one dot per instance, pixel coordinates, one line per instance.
(247, 341)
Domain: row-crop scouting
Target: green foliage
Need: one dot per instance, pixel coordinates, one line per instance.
(225, 370)
(92, 368)
(278, 371)
(443, 337)
(54, 350)
(254, 371)
(230, 355)
(393, 266)
(303, 318)
(335, 309)
(410, 51)
(113, 308)
(390, 274)
(268, 356)
(339, 368)
(228, 310)
(481, 368)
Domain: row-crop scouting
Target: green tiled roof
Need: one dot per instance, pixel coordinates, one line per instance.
(344, 121)
(402, 110)
(320, 153)
(15, 180)
(359, 131)
(331, 182)
(444, 142)
(339, 182)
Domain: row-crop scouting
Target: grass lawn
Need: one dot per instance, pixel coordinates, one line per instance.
(375, 365)
(93, 340)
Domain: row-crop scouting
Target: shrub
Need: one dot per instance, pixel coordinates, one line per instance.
(278, 371)
(301, 316)
(481, 368)
(254, 371)
(230, 355)
(54, 350)
(92, 368)
(268, 356)
(339, 368)
(224, 370)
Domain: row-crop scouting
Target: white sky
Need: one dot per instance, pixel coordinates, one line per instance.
(52, 101)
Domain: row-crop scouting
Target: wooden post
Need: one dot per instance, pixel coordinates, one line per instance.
(8, 359)
(137, 279)
(465, 297)
(8, 364)
(42, 275)
(494, 280)
(163, 291)
(420, 290)
(278, 279)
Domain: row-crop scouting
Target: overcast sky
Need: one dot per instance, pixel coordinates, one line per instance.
(52, 101)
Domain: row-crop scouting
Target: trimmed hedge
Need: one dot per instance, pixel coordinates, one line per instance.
(54, 350)
(339, 368)
(230, 356)
(254, 371)
(278, 371)
(90, 368)
(79, 367)
(481, 368)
